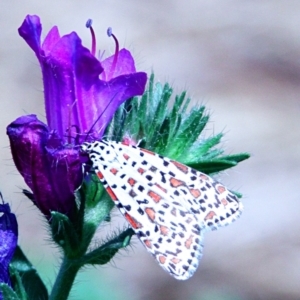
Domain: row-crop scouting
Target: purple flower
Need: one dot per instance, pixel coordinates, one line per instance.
(51, 170)
(81, 97)
(79, 89)
(8, 241)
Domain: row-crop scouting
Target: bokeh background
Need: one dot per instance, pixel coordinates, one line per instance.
(241, 59)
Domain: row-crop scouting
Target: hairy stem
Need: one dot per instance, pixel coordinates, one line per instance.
(65, 279)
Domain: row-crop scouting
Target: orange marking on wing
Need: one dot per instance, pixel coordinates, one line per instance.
(126, 156)
(163, 230)
(148, 243)
(100, 175)
(181, 167)
(131, 181)
(224, 202)
(221, 189)
(128, 141)
(176, 182)
(160, 187)
(134, 223)
(125, 142)
(141, 170)
(147, 151)
(150, 213)
(195, 193)
(189, 242)
(174, 212)
(111, 193)
(175, 260)
(162, 259)
(114, 171)
(210, 215)
(155, 197)
(203, 176)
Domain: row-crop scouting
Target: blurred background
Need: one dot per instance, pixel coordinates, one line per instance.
(241, 59)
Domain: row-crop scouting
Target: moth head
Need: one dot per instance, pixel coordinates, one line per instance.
(86, 147)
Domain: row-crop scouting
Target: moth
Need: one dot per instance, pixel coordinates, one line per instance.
(169, 205)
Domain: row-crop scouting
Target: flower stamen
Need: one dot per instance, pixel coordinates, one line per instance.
(89, 25)
(114, 63)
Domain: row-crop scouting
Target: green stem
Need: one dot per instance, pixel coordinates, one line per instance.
(65, 279)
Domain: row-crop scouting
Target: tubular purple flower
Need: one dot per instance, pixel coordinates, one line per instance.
(78, 87)
(52, 171)
(8, 241)
(81, 97)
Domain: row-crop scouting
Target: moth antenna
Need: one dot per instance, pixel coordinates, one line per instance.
(111, 100)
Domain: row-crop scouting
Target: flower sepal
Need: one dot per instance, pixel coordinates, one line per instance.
(26, 281)
(95, 208)
(74, 235)
(96, 205)
(7, 293)
(64, 233)
(103, 254)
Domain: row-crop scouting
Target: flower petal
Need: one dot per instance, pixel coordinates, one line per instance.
(69, 66)
(77, 90)
(99, 105)
(8, 241)
(50, 40)
(125, 65)
(30, 31)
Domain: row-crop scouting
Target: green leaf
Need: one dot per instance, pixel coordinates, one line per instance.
(237, 157)
(207, 144)
(25, 279)
(98, 206)
(213, 166)
(161, 108)
(165, 125)
(106, 252)
(8, 293)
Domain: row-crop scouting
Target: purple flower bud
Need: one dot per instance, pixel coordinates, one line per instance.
(78, 87)
(51, 170)
(8, 241)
